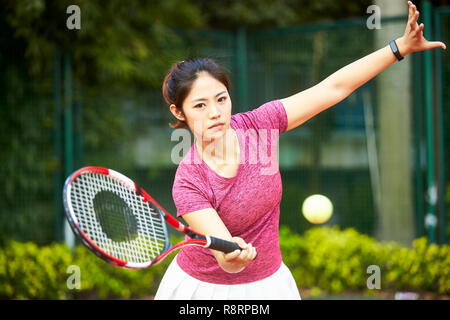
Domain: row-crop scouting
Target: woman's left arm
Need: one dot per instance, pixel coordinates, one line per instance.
(335, 88)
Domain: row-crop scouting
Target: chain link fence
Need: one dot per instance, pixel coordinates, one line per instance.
(53, 125)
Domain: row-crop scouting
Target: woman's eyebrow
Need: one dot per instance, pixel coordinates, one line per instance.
(203, 99)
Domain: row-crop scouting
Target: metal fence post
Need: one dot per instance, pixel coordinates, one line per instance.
(78, 125)
(57, 144)
(419, 147)
(440, 131)
(68, 136)
(241, 68)
(430, 217)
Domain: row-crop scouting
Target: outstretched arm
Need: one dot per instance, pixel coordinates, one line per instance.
(335, 88)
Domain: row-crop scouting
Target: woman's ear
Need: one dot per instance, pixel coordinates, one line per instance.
(177, 113)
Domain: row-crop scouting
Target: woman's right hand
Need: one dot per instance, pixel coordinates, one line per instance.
(208, 221)
(237, 260)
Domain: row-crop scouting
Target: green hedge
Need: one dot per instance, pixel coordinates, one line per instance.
(327, 259)
(31, 272)
(334, 260)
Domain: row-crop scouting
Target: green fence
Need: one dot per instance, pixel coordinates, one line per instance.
(52, 125)
(442, 74)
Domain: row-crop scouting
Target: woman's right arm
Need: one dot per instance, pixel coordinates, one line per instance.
(207, 221)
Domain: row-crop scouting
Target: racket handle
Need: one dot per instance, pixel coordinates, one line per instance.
(223, 245)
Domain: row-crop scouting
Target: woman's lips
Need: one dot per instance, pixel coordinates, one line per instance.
(217, 126)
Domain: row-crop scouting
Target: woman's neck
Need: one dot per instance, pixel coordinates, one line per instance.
(223, 150)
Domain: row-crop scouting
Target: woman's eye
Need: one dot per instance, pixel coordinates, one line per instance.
(222, 99)
(200, 105)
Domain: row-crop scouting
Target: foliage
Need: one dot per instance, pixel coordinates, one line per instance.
(134, 41)
(130, 40)
(31, 272)
(118, 58)
(335, 260)
(325, 259)
(447, 205)
(26, 156)
(258, 14)
(103, 281)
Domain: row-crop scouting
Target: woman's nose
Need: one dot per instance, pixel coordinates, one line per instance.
(214, 111)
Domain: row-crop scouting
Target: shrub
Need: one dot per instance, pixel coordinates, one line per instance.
(31, 272)
(335, 260)
(324, 259)
(106, 281)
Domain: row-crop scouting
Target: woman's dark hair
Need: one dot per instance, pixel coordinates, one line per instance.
(178, 81)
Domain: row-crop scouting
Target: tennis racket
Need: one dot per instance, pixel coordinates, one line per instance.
(121, 223)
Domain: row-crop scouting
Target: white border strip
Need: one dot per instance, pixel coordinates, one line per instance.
(123, 179)
(208, 241)
(69, 203)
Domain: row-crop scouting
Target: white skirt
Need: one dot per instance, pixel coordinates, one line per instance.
(178, 285)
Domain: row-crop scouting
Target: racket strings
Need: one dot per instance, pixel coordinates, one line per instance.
(116, 219)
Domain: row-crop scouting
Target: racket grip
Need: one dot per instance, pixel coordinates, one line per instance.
(223, 245)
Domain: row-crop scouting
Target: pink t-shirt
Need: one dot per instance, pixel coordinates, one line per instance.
(248, 203)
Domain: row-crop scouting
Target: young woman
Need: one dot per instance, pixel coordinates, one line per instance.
(220, 191)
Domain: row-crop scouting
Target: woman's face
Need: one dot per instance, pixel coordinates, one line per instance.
(207, 108)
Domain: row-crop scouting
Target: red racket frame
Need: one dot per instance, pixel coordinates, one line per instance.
(196, 238)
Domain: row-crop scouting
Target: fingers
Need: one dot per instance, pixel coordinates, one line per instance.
(248, 252)
(413, 16)
(236, 253)
(436, 44)
(240, 242)
(232, 255)
(414, 32)
(410, 9)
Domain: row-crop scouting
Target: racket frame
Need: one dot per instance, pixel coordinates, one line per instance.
(196, 238)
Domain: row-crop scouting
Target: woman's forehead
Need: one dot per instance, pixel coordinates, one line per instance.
(205, 86)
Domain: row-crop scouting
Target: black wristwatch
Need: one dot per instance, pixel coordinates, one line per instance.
(395, 50)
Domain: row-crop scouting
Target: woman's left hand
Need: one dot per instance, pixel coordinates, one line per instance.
(413, 39)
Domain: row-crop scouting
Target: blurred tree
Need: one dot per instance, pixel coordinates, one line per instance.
(135, 40)
(132, 40)
(229, 14)
(122, 47)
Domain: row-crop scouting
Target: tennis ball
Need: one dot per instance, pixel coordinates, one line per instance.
(317, 209)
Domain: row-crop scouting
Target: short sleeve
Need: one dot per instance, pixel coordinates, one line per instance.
(189, 191)
(270, 115)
